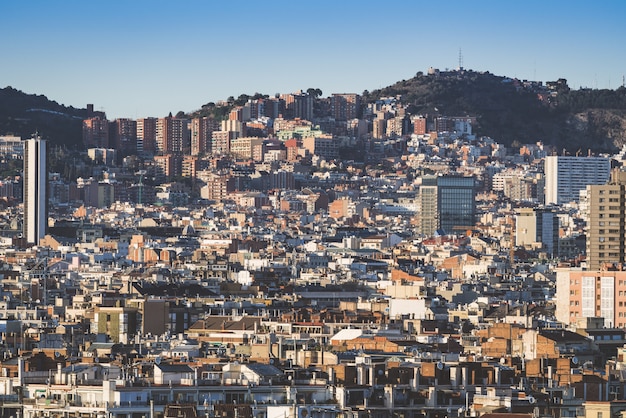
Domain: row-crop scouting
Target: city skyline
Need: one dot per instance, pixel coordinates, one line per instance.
(149, 58)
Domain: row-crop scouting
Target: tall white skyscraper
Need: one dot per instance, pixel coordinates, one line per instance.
(35, 190)
(566, 176)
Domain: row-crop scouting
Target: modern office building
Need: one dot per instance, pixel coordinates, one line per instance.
(566, 176)
(456, 197)
(606, 204)
(35, 190)
(446, 203)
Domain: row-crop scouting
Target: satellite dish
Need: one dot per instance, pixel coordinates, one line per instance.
(157, 360)
(502, 360)
(57, 354)
(440, 365)
(271, 361)
(97, 360)
(575, 360)
(380, 372)
(531, 399)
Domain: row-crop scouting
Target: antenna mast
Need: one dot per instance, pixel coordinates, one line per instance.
(460, 59)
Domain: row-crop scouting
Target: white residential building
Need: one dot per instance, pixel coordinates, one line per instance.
(566, 176)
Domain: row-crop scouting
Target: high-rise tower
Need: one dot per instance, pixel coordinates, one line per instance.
(35, 190)
(446, 203)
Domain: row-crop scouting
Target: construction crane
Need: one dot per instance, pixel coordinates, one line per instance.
(141, 173)
(512, 249)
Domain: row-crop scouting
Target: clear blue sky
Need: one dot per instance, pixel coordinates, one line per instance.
(137, 58)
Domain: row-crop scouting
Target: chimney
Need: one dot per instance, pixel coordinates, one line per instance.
(59, 375)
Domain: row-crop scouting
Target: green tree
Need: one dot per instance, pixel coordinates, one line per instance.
(315, 92)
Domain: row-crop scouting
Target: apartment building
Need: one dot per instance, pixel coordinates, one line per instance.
(592, 293)
(96, 132)
(123, 135)
(172, 135)
(146, 135)
(566, 176)
(537, 228)
(345, 106)
(201, 134)
(606, 243)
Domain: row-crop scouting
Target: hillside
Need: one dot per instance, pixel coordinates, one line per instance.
(514, 113)
(24, 114)
(510, 111)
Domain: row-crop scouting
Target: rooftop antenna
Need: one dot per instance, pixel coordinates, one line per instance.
(460, 59)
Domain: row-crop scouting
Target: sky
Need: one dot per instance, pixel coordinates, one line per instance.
(138, 58)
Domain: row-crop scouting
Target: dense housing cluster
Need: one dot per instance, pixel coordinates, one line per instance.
(310, 257)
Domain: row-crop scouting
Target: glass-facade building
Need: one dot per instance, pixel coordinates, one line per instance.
(456, 197)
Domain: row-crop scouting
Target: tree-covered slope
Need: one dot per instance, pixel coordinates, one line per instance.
(514, 112)
(25, 114)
